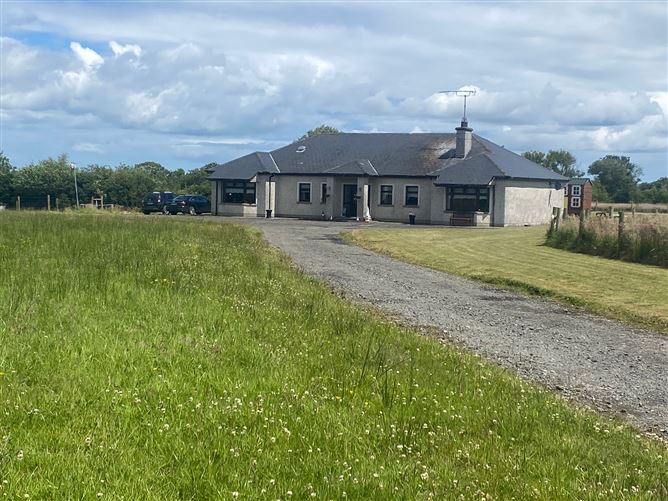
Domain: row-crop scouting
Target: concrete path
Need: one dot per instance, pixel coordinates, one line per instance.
(598, 362)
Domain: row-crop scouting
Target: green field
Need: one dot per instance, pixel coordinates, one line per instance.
(170, 358)
(517, 258)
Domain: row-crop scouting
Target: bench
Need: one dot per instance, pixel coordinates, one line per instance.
(461, 219)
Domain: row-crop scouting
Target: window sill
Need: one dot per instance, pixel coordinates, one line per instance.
(239, 203)
(411, 206)
(304, 203)
(385, 205)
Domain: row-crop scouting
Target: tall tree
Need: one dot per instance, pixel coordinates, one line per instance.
(560, 161)
(619, 176)
(598, 192)
(537, 157)
(655, 192)
(52, 176)
(320, 130)
(7, 173)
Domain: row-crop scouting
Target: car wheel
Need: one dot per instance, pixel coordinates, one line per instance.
(146, 212)
(192, 211)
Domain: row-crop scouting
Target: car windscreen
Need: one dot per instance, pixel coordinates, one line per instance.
(181, 197)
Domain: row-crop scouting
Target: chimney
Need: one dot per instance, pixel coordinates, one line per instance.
(463, 144)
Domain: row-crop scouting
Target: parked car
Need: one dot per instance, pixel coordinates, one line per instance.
(189, 204)
(156, 201)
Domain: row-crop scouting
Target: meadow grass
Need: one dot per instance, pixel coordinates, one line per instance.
(165, 358)
(644, 238)
(517, 258)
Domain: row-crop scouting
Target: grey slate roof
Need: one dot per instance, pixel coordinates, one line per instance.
(389, 154)
(245, 167)
(354, 168)
(488, 160)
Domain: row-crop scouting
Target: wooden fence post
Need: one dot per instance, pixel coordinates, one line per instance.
(18, 203)
(609, 211)
(583, 216)
(48, 203)
(620, 234)
(557, 223)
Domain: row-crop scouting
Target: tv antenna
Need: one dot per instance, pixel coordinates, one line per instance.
(465, 93)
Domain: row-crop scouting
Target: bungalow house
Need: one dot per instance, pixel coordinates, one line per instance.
(447, 179)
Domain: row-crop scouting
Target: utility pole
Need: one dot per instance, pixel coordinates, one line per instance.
(76, 187)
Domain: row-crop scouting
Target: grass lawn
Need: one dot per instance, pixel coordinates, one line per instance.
(165, 358)
(516, 257)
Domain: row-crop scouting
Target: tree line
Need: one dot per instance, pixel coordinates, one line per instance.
(124, 184)
(614, 178)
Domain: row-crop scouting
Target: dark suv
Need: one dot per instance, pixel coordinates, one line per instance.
(191, 204)
(156, 201)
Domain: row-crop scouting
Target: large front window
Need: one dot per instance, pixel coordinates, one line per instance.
(238, 192)
(467, 199)
(412, 196)
(305, 193)
(386, 194)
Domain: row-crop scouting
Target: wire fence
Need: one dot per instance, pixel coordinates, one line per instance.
(52, 202)
(36, 202)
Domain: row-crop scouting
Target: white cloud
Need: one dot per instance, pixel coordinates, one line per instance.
(91, 59)
(660, 98)
(87, 147)
(119, 49)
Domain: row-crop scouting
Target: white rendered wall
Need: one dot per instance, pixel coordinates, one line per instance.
(525, 203)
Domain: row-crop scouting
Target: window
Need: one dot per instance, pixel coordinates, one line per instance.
(323, 193)
(467, 199)
(575, 202)
(238, 192)
(575, 191)
(305, 193)
(412, 196)
(386, 194)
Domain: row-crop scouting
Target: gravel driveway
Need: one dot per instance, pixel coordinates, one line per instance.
(598, 362)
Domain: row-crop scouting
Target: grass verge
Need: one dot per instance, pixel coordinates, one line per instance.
(517, 258)
(156, 358)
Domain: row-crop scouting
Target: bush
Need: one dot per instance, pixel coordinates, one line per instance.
(644, 239)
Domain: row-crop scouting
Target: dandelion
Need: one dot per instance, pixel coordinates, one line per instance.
(99, 494)
(19, 455)
(235, 494)
(424, 475)
(289, 493)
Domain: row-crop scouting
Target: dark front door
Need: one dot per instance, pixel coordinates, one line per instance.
(349, 200)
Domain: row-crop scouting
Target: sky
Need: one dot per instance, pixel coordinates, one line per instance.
(188, 83)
